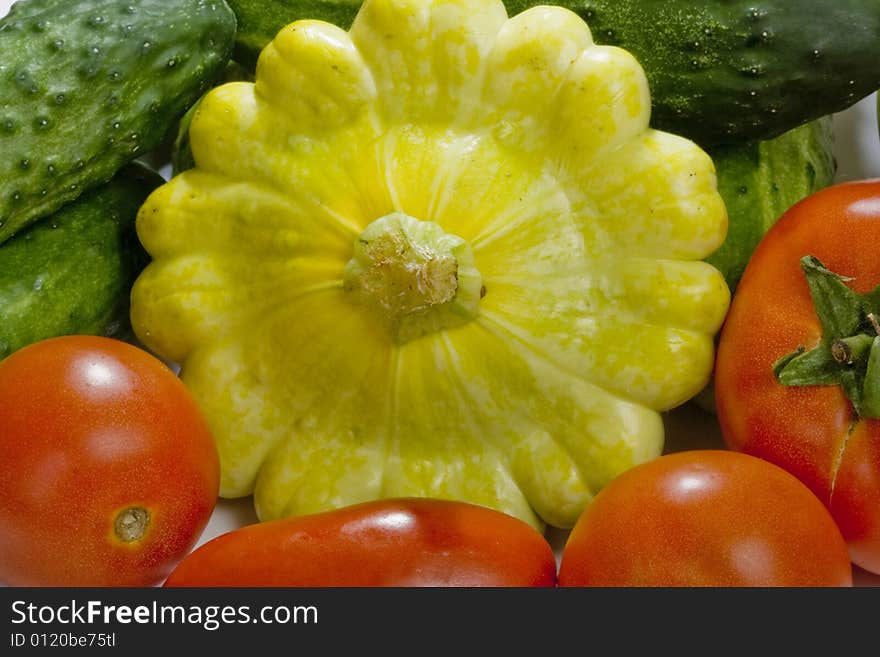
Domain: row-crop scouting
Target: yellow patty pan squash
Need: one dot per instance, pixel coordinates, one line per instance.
(441, 254)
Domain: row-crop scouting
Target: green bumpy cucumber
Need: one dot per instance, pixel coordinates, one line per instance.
(759, 181)
(721, 71)
(72, 272)
(86, 86)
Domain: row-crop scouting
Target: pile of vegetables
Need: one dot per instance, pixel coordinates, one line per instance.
(435, 268)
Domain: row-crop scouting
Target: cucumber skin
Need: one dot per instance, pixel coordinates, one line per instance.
(72, 272)
(759, 181)
(70, 118)
(752, 77)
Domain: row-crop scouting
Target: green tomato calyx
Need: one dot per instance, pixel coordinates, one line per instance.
(848, 354)
(417, 278)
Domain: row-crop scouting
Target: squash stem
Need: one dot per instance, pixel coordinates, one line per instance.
(417, 278)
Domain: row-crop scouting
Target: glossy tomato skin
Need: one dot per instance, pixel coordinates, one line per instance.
(705, 518)
(809, 431)
(100, 442)
(404, 542)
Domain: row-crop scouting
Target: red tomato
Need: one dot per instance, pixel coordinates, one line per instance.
(705, 518)
(812, 431)
(108, 473)
(399, 542)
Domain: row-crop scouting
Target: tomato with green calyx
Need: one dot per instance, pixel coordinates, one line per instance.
(705, 518)
(393, 542)
(108, 473)
(798, 368)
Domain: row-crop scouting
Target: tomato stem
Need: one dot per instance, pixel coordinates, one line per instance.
(416, 277)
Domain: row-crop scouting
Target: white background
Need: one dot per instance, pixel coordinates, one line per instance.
(857, 147)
